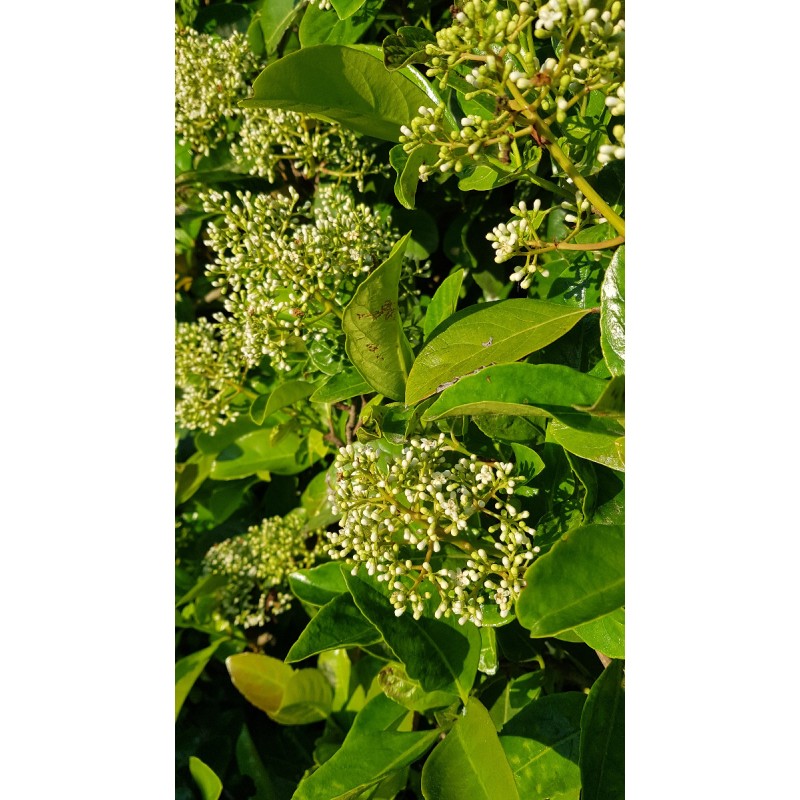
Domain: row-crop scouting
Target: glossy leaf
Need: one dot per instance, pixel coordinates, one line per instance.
(406, 46)
(346, 8)
(581, 579)
(208, 783)
(470, 763)
(602, 756)
(396, 684)
(343, 84)
(188, 670)
(516, 695)
(407, 168)
(542, 745)
(612, 314)
(290, 697)
(520, 389)
(606, 634)
(443, 303)
(342, 386)
(602, 448)
(375, 340)
(339, 623)
(372, 749)
(488, 660)
(527, 462)
(284, 395)
(325, 27)
(276, 18)
(318, 585)
(439, 654)
(479, 336)
(611, 402)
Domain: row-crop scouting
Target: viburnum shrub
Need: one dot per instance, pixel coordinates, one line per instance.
(400, 377)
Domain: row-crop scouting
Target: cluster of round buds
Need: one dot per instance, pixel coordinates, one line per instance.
(269, 136)
(211, 76)
(284, 267)
(208, 375)
(431, 524)
(257, 565)
(613, 152)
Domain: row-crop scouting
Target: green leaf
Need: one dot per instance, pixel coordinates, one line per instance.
(286, 394)
(191, 474)
(470, 763)
(188, 670)
(476, 337)
(611, 402)
(318, 585)
(481, 179)
(325, 27)
(346, 8)
(443, 303)
(375, 340)
(407, 46)
(527, 462)
(606, 634)
(208, 783)
(343, 84)
(407, 168)
(372, 749)
(612, 313)
(516, 695)
(606, 448)
(342, 386)
(542, 744)
(396, 684)
(339, 623)
(423, 228)
(488, 660)
(439, 654)
(580, 579)
(520, 389)
(250, 764)
(290, 697)
(276, 18)
(258, 452)
(603, 737)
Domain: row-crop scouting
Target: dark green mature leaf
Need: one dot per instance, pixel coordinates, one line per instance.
(288, 696)
(580, 579)
(470, 763)
(188, 670)
(375, 340)
(208, 783)
(346, 8)
(527, 462)
(606, 634)
(250, 764)
(191, 474)
(439, 654)
(612, 313)
(476, 337)
(343, 84)
(603, 737)
(606, 448)
(542, 745)
(339, 623)
(284, 395)
(318, 585)
(342, 386)
(516, 695)
(276, 18)
(373, 748)
(407, 46)
(443, 303)
(407, 168)
(520, 389)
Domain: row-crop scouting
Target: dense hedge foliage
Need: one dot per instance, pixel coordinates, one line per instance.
(400, 371)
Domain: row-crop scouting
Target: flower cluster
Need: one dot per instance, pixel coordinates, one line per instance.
(257, 565)
(208, 375)
(269, 135)
(286, 267)
(211, 76)
(429, 523)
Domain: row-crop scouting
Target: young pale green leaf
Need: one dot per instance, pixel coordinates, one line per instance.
(339, 623)
(443, 303)
(287, 696)
(372, 749)
(343, 84)
(581, 579)
(188, 670)
(396, 684)
(318, 585)
(256, 452)
(375, 341)
(407, 46)
(440, 654)
(407, 168)
(606, 634)
(346, 8)
(606, 448)
(191, 474)
(612, 314)
(602, 756)
(488, 658)
(276, 18)
(284, 395)
(542, 745)
(322, 27)
(249, 762)
(208, 783)
(520, 389)
(470, 763)
(341, 386)
(479, 336)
